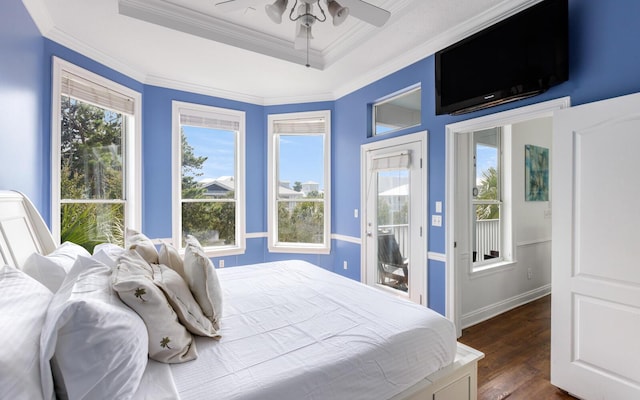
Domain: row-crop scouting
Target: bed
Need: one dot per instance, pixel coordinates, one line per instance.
(290, 330)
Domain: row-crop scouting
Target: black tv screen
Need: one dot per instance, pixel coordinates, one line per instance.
(515, 58)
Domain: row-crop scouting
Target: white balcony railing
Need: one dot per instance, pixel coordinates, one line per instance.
(401, 233)
(487, 238)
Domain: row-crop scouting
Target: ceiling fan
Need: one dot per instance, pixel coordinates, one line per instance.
(306, 12)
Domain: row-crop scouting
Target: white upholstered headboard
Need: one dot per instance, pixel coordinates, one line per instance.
(22, 229)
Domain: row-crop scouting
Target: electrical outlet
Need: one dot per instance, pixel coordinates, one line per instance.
(436, 220)
(344, 265)
(529, 273)
(221, 264)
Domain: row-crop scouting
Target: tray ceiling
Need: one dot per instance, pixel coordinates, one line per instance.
(190, 45)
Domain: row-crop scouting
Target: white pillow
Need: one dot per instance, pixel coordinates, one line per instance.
(100, 344)
(143, 245)
(203, 281)
(23, 306)
(50, 270)
(169, 256)
(107, 253)
(169, 340)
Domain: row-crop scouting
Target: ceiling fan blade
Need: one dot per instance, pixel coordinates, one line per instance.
(232, 5)
(367, 12)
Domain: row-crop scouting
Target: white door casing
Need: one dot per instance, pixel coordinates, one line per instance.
(458, 256)
(595, 351)
(416, 145)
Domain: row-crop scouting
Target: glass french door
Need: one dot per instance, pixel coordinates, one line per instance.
(395, 245)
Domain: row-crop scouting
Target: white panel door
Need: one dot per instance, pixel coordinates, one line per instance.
(595, 345)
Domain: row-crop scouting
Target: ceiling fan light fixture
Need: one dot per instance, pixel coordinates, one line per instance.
(275, 10)
(337, 12)
(305, 14)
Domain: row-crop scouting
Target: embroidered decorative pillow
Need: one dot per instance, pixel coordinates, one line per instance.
(169, 340)
(169, 256)
(182, 301)
(143, 245)
(203, 281)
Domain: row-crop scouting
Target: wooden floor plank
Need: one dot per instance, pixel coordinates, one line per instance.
(517, 348)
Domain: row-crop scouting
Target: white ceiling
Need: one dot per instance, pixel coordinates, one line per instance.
(190, 45)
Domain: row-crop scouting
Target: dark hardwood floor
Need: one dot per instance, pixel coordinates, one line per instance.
(517, 347)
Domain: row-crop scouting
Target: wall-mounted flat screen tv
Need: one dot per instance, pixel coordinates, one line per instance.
(520, 56)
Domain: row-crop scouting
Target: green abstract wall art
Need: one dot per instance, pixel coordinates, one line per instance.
(536, 173)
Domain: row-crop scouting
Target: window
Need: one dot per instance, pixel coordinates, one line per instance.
(398, 111)
(299, 182)
(487, 197)
(208, 183)
(95, 144)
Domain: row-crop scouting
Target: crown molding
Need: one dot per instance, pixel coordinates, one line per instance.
(168, 83)
(235, 96)
(209, 27)
(430, 47)
(94, 54)
(48, 29)
(39, 15)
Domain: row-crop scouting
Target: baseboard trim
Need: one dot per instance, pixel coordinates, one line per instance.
(490, 311)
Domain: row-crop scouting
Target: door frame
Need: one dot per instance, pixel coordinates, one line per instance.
(420, 295)
(453, 271)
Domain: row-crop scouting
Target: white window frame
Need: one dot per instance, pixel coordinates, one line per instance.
(274, 245)
(132, 145)
(178, 108)
(504, 187)
(392, 98)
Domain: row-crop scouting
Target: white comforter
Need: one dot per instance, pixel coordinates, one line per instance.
(292, 330)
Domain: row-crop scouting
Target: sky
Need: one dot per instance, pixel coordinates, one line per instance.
(486, 156)
(301, 156)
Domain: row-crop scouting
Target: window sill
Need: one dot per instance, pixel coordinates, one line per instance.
(490, 269)
(212, 252)
(300, 249)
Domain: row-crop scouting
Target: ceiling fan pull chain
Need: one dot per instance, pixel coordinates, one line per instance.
(308, 40)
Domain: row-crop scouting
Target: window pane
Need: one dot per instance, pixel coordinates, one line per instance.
(400, 112)
(393, 228)
(301, 165)
(208, 173)
(301, 173)
(90, 152)
(487, 173)
(208, 163)
(89, 224)
(212, 223)
(301, 222)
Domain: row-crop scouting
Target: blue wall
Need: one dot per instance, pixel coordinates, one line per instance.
(23, 166)
(605, 60)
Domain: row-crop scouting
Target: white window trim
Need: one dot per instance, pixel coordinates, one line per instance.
(176, 178)
(505, 183)
(389, 98)
(133, 145)
(272, 237)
